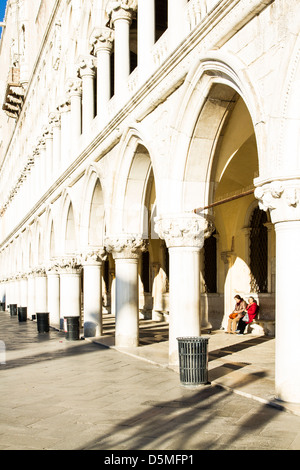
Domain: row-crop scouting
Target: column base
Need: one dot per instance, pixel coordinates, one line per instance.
(126, 342)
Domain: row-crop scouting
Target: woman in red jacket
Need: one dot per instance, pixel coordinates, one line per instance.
(251, 309)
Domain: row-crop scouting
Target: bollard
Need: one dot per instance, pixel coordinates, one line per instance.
(43, 322)
(71, 328)
(13, 309)
(22, 314)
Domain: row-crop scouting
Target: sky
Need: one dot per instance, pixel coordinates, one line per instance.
(2, 9)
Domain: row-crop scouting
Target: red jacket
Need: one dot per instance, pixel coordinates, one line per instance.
(252, 310)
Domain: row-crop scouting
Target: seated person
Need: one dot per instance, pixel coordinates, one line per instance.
(237, 313)
(251, 309)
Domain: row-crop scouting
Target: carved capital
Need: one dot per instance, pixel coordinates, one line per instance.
(74, 87)
(183, 230)
(86, 66)
(121, 9)
(65, 106)
(281, 198)
(54, 119)
(101, 39)
(94, 256)
(67, 265)
(48, 132)
(39, 271)
(126, 246)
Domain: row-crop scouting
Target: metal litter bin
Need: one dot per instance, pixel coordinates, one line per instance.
(71, 325)
(22, 314)
(193, 360)
(2, 306)
(13, 309)
(43, 322)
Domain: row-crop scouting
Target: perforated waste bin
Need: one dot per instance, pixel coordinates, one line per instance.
(71, 325)
(22, 314)
(13, 309)
(42, 322)
(193, 360)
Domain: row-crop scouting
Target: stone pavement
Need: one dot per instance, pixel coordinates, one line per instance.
(81, 395)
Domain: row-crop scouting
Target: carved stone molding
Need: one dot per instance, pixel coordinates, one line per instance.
(126, 246)
(183, 230)
(281, 198)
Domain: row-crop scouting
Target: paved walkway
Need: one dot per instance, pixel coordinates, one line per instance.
(58, 394)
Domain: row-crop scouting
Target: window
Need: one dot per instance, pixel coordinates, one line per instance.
(259, 251)
(210, 264)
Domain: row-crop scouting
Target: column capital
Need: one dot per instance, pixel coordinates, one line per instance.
(282, 198)
(54, 119)
(64, 106)
(94, 257)
(184, 229)
(126, 246)
(39, 271)
(67, 265)
(121, 9)
(48, 132)
(101, 39)
(86, 66)
(74, 87)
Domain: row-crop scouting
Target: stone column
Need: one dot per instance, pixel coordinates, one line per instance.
(176, 22)
(87, 72)
(282, 199)
(184, 235)
(48, 136)
(92, 292)
(70, 288)
(102, 43)
(9, 291)
(54, 120)
(121, 17)
(37, 172)
(146, 36)
(40, 279)
(74, 91)
(53, 296)
(65, 134)
(23, 291)
(15, 299)
(31, 295)
(42, 164)
(126, 251)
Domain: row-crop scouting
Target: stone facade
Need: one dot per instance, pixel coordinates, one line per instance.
(142, 157)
